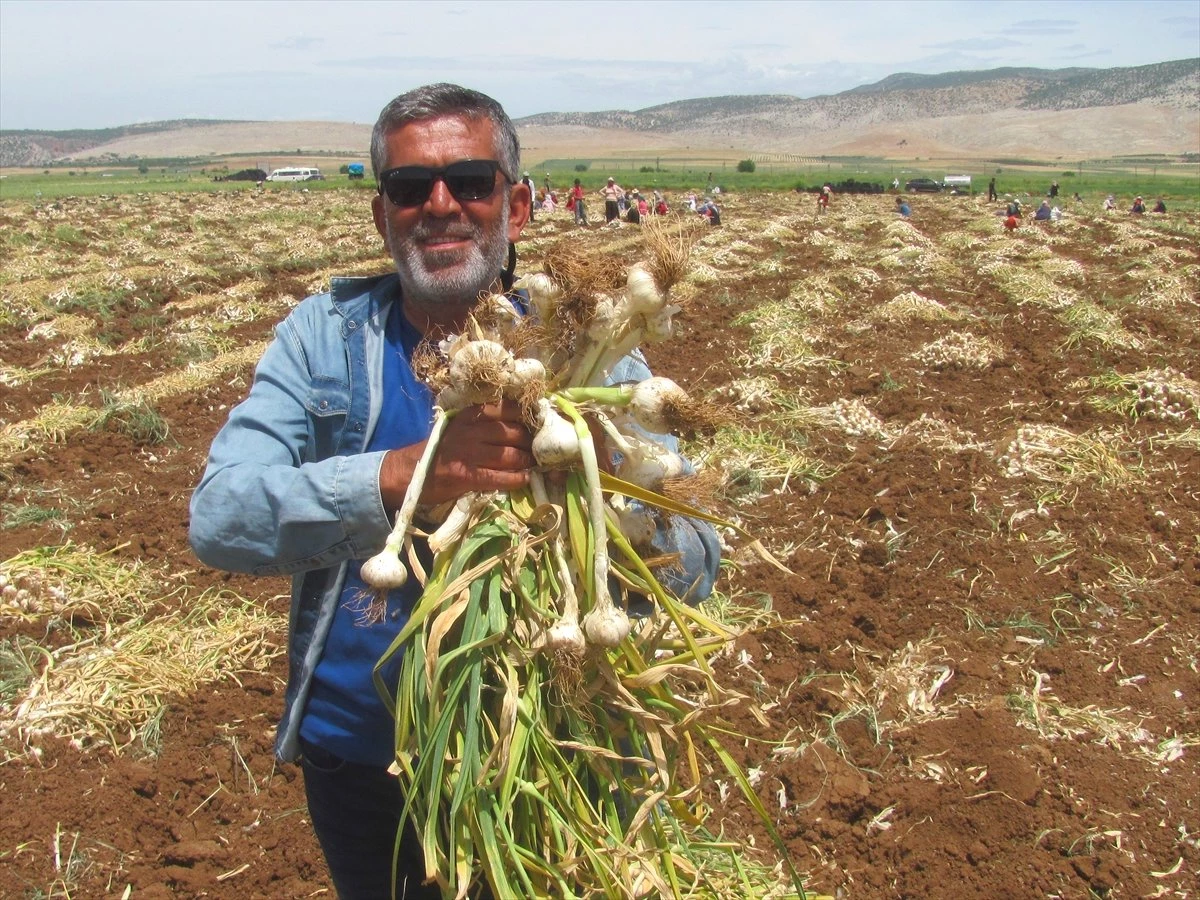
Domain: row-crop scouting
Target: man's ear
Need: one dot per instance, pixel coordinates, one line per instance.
(520, 202)
(380, 215)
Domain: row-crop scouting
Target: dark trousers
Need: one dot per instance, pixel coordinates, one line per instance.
(355, 811)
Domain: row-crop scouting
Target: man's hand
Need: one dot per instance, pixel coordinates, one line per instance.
(485, 448)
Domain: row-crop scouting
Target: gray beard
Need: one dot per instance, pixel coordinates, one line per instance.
(466, 280)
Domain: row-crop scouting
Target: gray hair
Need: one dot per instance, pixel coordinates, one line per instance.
(436, 100)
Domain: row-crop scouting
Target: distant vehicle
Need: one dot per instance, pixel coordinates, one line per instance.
(296, 174)
(354, 170)
(923, 186)
(957, 184)
(244, 175)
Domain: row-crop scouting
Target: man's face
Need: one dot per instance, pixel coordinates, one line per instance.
(448, 251)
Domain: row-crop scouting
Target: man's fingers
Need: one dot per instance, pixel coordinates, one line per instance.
(504, 411)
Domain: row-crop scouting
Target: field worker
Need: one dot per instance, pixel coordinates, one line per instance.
(1159, 206)
(903, 208)
(1139, 206)
(528, 182)
(1043, 212)
(577, 203)
(1011, 223)
(612, 194)
(306, 474)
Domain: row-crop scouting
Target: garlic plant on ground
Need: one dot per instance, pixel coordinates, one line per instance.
(549, 743)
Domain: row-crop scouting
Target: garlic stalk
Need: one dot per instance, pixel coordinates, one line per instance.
(385, 570)
(464, 512)
(565, 635)
(605, 625)
(657, 404)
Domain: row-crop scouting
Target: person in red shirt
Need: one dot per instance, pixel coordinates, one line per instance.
(577, 203)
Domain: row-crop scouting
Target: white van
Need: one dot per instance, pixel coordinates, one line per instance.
(957, 184)
(295, 174)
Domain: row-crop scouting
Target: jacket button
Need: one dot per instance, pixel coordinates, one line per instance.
(324, 404)
(358, 426)
(351, 324)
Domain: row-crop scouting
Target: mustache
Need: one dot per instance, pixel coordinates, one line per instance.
(425, 230)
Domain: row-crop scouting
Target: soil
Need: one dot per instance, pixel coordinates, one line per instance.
(979, 684)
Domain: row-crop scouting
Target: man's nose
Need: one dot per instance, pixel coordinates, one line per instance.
(441, 202)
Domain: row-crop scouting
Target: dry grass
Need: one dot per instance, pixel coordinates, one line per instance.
(113, 689)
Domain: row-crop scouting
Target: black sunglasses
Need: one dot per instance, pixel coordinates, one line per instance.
(466, 179)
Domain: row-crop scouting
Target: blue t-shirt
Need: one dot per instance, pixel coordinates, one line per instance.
(345, 714)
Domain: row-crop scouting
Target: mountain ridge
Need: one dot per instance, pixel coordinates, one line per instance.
(1054, 112)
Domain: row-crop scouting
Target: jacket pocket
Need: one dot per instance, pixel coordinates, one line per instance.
(328, 405)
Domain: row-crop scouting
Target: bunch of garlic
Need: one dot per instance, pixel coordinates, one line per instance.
(28, 595)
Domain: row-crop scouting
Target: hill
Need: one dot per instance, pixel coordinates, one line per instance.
(1041, 113)
(25, 147)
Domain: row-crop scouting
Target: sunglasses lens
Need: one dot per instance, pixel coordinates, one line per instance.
(468, 179)
(471, 179)
(408, 186)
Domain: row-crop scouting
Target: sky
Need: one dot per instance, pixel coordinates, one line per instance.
(96, 64)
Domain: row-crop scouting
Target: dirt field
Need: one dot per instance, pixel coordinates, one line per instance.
(978, 452)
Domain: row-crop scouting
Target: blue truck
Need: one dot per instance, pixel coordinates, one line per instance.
(354, 171)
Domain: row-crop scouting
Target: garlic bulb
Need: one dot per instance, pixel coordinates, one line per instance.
(556, 443)
(384, 570)
(642, 294)
(656, 402)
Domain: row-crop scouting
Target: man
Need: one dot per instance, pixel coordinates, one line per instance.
(903, 208)
(528, 182)
(991, 190)
(307, 473)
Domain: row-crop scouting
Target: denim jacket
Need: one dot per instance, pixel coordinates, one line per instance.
(289, 490)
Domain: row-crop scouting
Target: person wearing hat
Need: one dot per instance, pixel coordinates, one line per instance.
(528, 182)
(1139, 206)
(612, 193)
